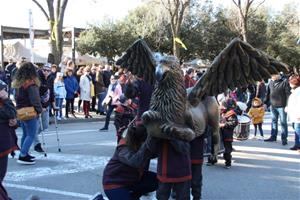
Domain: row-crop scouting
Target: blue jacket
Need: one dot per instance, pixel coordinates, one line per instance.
(71, 86)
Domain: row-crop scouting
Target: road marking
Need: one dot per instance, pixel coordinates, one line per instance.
(66, 164)
(53, 191)
(62, 132)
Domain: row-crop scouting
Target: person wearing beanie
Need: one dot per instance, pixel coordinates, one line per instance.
(293, 108)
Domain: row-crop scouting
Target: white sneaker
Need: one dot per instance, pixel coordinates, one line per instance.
(58, 118)
(253, 138)
(261, 137)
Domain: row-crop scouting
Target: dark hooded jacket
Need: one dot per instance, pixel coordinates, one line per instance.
(46, 89)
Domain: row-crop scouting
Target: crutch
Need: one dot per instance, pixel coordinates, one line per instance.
(42, 131)
(57, 138)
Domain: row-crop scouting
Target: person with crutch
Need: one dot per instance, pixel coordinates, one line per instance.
(47, 99)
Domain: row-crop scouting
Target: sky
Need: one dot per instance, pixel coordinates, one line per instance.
(79, 13)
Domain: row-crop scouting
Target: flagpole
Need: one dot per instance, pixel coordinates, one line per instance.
(31, 36)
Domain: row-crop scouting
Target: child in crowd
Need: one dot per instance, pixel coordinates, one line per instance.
(257, 113)
(60, 93)
(228, 121)
(125, 177)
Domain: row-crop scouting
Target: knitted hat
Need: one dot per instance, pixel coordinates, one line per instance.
(295, 80)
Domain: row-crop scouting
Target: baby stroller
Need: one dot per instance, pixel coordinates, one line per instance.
(124, 114)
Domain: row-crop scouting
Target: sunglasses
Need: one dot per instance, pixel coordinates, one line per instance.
(46, 70)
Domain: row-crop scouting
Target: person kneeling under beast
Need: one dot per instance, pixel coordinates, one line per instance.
(124, 176)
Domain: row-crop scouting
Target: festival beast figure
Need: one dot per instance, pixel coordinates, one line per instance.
(177, 113)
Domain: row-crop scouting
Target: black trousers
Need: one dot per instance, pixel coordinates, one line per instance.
(93, 106)
(259, 128)
(181, 189)
(196, 181)
(69, 103)
(227, 154)
(3, 167)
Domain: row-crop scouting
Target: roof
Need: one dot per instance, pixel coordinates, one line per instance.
(17, 50)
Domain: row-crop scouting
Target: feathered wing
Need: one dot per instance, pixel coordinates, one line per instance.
(139, 60)
(238, 65)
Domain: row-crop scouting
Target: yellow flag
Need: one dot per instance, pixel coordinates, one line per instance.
(53, 25)
(180, 42)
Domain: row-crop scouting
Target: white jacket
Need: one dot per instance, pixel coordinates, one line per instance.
(85, 88)
(293, 106)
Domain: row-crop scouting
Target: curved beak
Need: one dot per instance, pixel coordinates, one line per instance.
(159, 72)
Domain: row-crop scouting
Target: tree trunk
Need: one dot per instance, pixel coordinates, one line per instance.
(176, 11)
(56, 26)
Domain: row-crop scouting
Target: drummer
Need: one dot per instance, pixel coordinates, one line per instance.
(228, 121)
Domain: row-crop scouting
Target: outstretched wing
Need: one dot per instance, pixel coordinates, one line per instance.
(238, 65)
(139, 60)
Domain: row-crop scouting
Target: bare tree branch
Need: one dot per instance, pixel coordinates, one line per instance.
(41, 7)
(252, 11)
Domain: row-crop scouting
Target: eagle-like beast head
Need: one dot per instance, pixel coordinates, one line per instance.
(169, 96)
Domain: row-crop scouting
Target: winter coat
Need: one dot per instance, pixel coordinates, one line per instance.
(8, 138)
(293, 107)
(71, 86)
(278, 92)
(60, 90)
(143, 91)
(46, 89)
(174, 161)
(114, 93)
(257, 114)
(85, 87)
(126, 166)
(230, 120)
(28, 95)
(99, 83)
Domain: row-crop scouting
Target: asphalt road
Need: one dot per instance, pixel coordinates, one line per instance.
(260, 170)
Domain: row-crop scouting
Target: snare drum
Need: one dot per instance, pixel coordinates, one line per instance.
(242, 130)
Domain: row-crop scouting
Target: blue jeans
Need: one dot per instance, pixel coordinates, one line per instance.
(109, 111)
(45, 123)
(296, 127)
(148, 183)
(58, 104)
(279, 112)
(101, 96)
(29, 128)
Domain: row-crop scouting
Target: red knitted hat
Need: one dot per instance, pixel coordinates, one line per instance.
(295, 80)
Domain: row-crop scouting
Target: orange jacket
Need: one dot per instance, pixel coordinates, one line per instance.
(257, 114)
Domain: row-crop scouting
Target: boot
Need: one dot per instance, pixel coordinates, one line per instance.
(270, 139)
(38, 148)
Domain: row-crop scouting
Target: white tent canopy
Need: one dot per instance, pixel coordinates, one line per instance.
(17, 50)
(85, 59)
